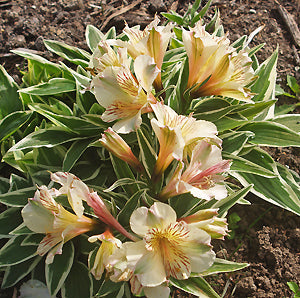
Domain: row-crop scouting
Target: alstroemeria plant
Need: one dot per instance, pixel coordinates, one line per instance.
(152, 123)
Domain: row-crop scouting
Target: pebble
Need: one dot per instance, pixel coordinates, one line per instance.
(39, 44)
(157, 6)
(252, 11)
(20, 41)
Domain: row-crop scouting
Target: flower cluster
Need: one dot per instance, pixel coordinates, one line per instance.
(187, 153)
(162, 247)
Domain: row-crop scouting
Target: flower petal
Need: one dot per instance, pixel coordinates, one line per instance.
(146, 71)
(138, 221)
(161, 215)
(37, 218)
(161, 291)
(150, 270)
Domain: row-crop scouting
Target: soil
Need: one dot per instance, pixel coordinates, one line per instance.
(267, 237)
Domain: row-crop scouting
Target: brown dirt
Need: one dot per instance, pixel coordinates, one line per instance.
(271, 246)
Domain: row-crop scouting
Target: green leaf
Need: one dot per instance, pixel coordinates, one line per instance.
(269, 133)
(233, 142)
(173, 17)
(9, 97)
(201, 13)
(264, 86)
(212, 109)
(17, 182)
(252, 110)
(229, 122)
(122, 170)
(271, 190)
(292, 121)
(52, 87)
(18, 198)
(9, 220)
(46, 138)
(4, 185)
(220, 266)
(195, 285)
(74, 153)
(279, 91)
(225, 204)
(130, 206)
(15, 273)
(93, 37)
(292, 83)
(70, 53)
(148, 155)
(12, 122)
(21, 230)
(78, 283)
(110, 34)
(240, 164)
(184, 204)
(281, 190)
(285, 109)
(76, 124)
(12, 254)
(294, 287)
(57, 272)
(32, 239)
(109, 287)
(82, 80)
(84, 245)
(42, 62)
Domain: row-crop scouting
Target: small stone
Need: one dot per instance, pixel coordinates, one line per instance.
(253, 11)
(39, 44)
(60, 18)
(157, 6)
(246, 286)
(20, 41)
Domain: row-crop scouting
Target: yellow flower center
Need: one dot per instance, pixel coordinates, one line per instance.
(169, 243)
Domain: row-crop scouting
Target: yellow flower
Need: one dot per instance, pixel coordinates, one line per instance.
(43, 214)
(108, 246)
(215, 68)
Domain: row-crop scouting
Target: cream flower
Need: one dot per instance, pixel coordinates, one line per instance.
(104, 56)
(126, 96)
(43, 214)
(178, 134)
(152, 41)
(208, 221)
(76, 190)
(168, 248)
(201, 177)
(215, 68)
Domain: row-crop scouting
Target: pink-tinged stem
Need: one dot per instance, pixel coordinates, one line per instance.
(104, 215)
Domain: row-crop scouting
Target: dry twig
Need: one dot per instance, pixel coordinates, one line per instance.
(290, 23)
(119, 12)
